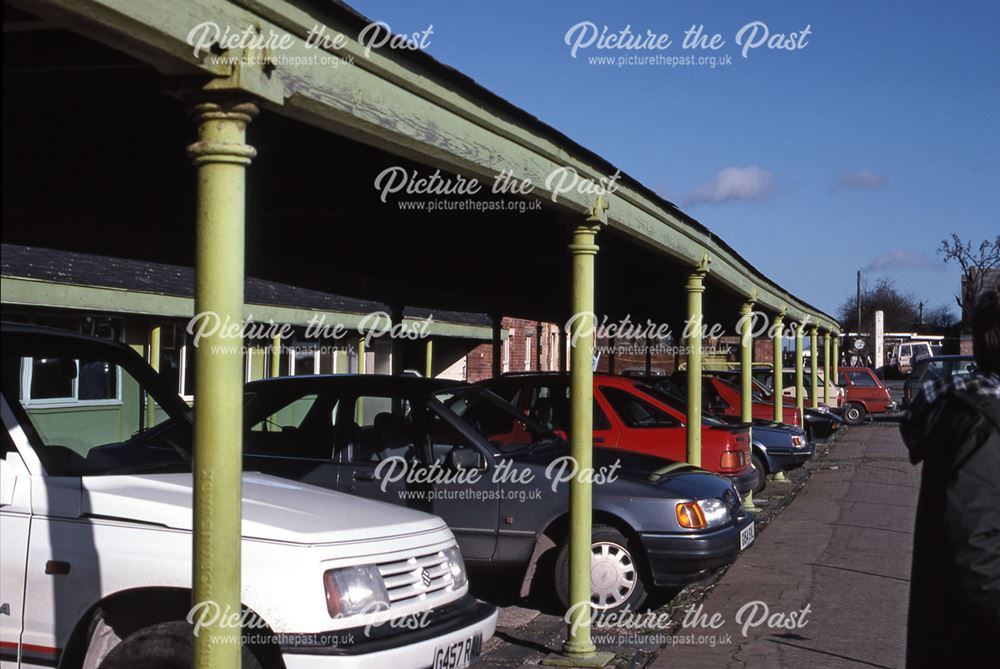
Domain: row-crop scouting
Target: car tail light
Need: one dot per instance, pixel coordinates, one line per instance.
(732, 460)
(797, 441)
(690, 515)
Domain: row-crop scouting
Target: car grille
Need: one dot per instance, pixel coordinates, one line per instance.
(422, 577)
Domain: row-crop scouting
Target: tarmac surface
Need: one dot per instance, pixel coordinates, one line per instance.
(824, 585)
(840, 553)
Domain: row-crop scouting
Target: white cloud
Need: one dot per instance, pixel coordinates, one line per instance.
(903, 260)
(863, 180)
(751, 183)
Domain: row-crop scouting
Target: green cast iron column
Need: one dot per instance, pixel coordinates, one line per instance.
(429, 362)
(800, 391)
(583, 250)
(220, 156)
(826, 368)
(276, 356)
(814, 366)
(359, 409)
(695, 288)
(154, 362)
(746, 376)
(779, 400)
(496, 364)
(836, 358)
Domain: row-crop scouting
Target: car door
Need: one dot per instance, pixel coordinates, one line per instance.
(15, 519)
(293, 437)
(866, 389)
(378, 446)
(644, 427)
(465, 485)
(549, 404)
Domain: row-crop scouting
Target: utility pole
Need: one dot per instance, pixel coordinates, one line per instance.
(858, 302)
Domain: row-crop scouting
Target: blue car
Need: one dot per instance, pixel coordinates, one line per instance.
(777, 448)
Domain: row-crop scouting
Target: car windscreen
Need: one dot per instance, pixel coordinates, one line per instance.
(675, 402)
(92, 409)
(500, 423)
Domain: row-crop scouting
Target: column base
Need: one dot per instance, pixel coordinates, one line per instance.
(596, 660)
(779, 477)
(748, 504)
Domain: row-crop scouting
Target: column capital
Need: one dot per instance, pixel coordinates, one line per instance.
(222, 125)
(584, 233)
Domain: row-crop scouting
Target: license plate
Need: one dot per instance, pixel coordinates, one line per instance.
(747, 535)
(459, 654)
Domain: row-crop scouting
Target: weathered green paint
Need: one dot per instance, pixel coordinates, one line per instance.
(154, 361)
(583, 250)
(378, 100)
(37, 293)
(826, 368)
(220, 156)
(429, 358)
(778, 367)
(814, 366)
(695, 288)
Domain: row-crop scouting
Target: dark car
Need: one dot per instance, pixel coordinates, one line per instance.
(776, 447)
(492, 473)
(940, 366)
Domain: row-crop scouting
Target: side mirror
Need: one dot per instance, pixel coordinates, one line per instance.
(465, 458)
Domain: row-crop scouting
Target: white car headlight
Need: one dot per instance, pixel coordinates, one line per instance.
(355, 590)
(714, 510)
(457, 567)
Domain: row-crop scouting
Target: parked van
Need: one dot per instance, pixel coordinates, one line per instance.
(904, 356)
(95, 537)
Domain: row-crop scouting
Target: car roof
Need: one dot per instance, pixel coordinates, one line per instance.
(377, 382)
(604, 377)
(948, 357)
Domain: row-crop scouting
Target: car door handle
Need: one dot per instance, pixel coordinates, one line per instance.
(364, 476)
(598, 440)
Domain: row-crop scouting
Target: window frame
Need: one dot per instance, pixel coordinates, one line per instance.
(64, 402)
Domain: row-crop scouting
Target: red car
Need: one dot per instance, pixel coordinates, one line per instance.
(865, 394)
(631, 415)
(722, 397)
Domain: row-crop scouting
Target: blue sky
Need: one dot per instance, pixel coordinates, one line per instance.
(862, 150)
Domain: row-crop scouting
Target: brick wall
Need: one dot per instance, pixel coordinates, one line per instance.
(541, 353)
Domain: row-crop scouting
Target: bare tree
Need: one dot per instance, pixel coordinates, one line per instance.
(977, 265)
(900, 309)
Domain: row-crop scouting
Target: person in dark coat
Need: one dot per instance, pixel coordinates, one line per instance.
(953, 428)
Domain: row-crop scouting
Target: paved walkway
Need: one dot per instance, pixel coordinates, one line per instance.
(842, 548)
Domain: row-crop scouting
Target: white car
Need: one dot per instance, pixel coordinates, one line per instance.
(95, 538)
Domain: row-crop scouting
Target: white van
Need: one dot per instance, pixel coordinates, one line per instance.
(95, 537)
(906, 354)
